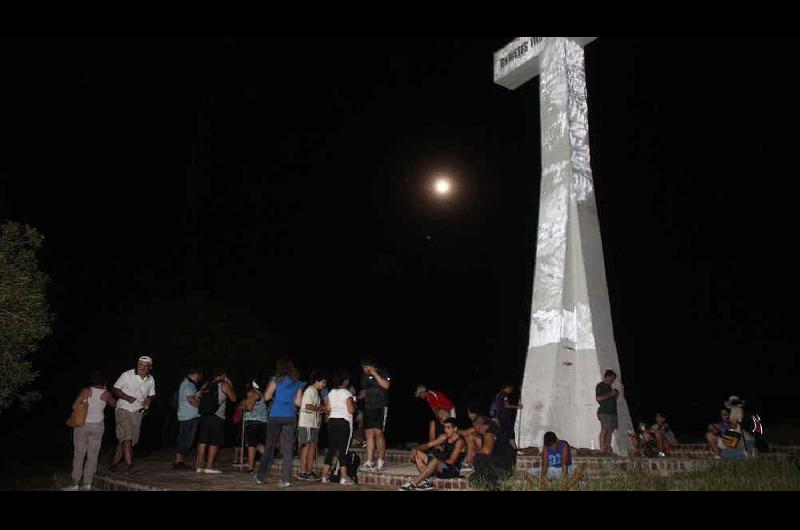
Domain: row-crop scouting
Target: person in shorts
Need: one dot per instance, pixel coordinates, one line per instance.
(375, 384)
(211, 431)
(255, 424)
(311, 410)
(134, 390)
(443, 464)
(607, 412)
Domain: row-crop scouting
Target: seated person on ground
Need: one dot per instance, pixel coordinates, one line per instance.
(556, 461)
(715, 429)
(496, 458)
(665, 438)
(644, 441)
(471, 437)
(444, 464)
(732, 443)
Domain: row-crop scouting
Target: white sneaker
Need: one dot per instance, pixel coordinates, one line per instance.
(367, 466)
(425, 485)
(211, 471)
(661, 454)
(86, 487)
(325, 480)
(379, 467)
(346, 482)
(284, 484)
(71, 487)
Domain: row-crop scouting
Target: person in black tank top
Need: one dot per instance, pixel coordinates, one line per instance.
(446, 464)
(436, 429)
(496, 458)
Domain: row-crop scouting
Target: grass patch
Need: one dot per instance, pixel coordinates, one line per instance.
(752, 475)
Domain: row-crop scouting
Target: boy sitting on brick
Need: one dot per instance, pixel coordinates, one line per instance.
(444, 464)
(557, 462)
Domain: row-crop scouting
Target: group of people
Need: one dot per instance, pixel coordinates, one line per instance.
(267, 417)
(284, 410)
(655, 440)
(288, 409)
(727, 437)
(131, 397)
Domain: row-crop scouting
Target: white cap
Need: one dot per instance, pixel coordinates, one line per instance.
(420, 389)
(146, 360)
(255, 385)
(733, 401)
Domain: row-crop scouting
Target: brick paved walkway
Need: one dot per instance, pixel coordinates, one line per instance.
(155, 473)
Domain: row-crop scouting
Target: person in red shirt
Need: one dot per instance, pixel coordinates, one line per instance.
(436, 400)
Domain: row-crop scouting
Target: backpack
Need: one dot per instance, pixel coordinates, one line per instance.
(731, 439)
(353, 462)
(209, 400)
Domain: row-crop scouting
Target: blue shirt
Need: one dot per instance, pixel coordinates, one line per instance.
(283, 400)
(723, 426)
(187, 411)
(554, 455)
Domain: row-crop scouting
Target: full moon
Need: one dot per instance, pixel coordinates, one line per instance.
(442, 186)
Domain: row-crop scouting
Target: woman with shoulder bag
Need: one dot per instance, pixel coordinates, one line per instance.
(87, 436)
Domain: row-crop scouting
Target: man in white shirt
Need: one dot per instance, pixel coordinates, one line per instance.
(134, 391)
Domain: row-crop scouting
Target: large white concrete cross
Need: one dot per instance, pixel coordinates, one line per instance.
(571, 339)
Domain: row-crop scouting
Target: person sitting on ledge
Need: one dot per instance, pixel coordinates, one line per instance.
(643, 441)
(556, 461)
(715, 429)
(471, 437)
(444, 464)
(665, 438)
(496, 458)
(732, 442)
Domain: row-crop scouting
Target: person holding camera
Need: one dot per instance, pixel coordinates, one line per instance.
(607, 412)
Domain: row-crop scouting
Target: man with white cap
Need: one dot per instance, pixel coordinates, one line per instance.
(134, 391)
(436, 400)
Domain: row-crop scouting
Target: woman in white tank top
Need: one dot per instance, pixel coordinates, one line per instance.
(340, 404)
(87, 439)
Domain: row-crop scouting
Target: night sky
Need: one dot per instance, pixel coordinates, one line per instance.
(245, 194)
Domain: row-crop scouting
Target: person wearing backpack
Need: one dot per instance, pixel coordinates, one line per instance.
(188, 417)
(286, 390)
(210, 433)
